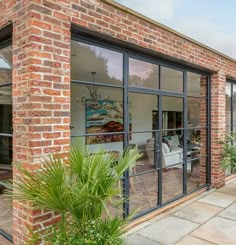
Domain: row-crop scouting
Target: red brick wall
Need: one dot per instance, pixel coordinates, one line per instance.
(218, 83)
(41, 77)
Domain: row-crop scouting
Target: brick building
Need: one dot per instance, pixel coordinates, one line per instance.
(96, 71)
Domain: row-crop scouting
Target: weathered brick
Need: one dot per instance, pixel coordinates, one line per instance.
(41, 79)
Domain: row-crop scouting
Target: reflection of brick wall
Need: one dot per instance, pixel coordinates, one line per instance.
(41, 77)
(203, 131)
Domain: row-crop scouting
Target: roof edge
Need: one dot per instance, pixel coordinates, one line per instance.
(156, 23)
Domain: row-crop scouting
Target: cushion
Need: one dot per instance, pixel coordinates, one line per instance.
(165, 148)
(175, 142)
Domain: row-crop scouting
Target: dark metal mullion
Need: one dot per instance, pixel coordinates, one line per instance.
(126, 132)
(208, 169)
(144, 172)
(185, 106)
(144, 131)
(6, 135)
(172, 93)
(144, 90)
(5, 85)
(159, 181)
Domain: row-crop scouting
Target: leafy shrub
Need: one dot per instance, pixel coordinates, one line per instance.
(228, 153)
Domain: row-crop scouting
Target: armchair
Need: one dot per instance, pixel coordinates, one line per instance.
(169, 158)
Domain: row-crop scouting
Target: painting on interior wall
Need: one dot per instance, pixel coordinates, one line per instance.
(104, 116)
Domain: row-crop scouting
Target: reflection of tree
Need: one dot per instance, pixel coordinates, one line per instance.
(94, 61)
(148, 79)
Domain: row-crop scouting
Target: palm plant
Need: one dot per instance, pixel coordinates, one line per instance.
(228, 153)
(81, 190)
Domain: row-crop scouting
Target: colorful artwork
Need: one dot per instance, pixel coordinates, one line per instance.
(104, 116)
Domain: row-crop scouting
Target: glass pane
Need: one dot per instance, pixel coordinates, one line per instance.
(196, 84)
(143, 74)
(94, 64)
(197, 112)
(172, 182)
(172, 148)
(171, 79)
(228, 114)
(5, 154)
(145, 143)
(5, 77)
(144, 115)
(6, 58)
(197, 141)
(196, 173)
(101, 115)
(193, 83)
(228, 129)
(115, 147)
(228, 91)
(234, 92)
(234, 113)
(143, 191)
(172, 116)
(194, 111)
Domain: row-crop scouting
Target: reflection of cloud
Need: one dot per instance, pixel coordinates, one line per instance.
(164, 9)
(140, 68)
(114, 62)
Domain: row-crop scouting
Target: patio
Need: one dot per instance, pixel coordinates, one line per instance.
(209, 218)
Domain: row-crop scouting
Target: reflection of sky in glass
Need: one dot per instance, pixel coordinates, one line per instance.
(140, 68)
(4, 64)
(114, 60)
(228, 90)
(234, 91)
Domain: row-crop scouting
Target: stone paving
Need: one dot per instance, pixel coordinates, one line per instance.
(207, 219)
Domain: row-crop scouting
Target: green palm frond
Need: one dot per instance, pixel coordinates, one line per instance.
(81, 188)
(228, 153)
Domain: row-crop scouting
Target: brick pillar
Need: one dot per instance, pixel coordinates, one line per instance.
(203, 130)
(41, 98)
(218, 82)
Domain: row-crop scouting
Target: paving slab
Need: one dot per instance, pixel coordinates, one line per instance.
(138, 227)
(217, 230)
(139, 240)
(198, 212)
(230, 189)
(233, 181)
(218, 199)
(191, 240)
(229, 213)
(168, 230)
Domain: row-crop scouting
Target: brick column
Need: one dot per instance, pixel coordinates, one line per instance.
(41, 98)
(203, 131)
(218, 82)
